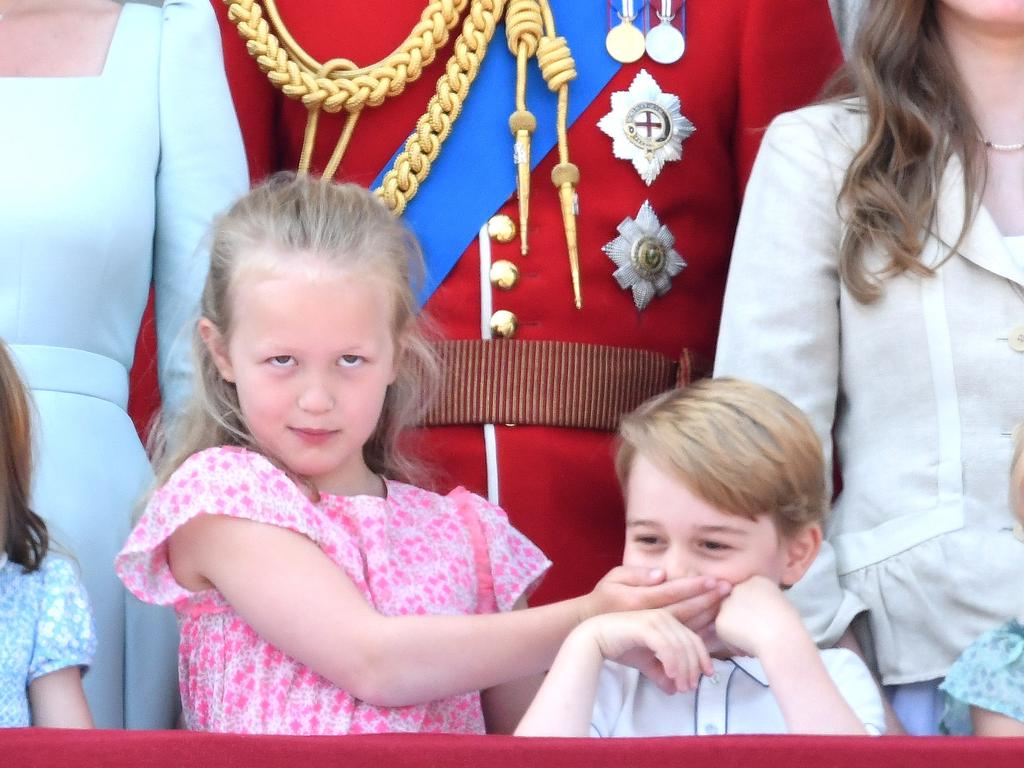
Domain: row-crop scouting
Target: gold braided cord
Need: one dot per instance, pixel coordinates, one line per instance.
(335, 85)
(339, 84)
(339, 150)
(524, 25)
(559, 69)
(413, 164)
(530, 28)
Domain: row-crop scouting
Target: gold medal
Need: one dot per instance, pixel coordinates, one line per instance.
(625, 43)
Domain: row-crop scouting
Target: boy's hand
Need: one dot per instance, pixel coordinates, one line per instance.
(655, 643)
(757, 618)
(692, 600)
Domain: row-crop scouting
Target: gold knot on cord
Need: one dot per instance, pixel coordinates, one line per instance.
(340, 85)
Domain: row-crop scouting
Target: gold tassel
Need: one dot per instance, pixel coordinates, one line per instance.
(524, 25)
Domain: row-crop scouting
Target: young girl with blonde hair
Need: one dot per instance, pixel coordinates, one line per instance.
(48, 637)
(315, 592)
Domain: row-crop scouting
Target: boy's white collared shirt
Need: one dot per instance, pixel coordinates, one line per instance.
(736, 699)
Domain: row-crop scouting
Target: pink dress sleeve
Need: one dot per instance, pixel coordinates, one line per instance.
(513, 564)
(217, 481)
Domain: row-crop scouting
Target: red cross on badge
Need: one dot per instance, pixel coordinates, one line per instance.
(646, 126)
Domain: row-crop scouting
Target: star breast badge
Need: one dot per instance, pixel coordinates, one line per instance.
(644, 255)
(646, 126)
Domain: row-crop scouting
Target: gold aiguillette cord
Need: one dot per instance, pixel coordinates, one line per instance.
(340, 84)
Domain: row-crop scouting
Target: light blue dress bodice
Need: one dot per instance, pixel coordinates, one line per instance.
(45, 626)
(110, 183)
(988, 675)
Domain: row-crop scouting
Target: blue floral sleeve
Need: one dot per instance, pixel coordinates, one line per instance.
(65, 632)
(988, 675)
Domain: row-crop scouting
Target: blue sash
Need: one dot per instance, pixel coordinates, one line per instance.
(475, 174)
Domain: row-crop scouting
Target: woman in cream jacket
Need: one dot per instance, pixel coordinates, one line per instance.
(877, 282)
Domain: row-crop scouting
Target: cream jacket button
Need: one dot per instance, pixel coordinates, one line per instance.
(501, 228)
(504, 274)
(504, 324)
(1017, 338)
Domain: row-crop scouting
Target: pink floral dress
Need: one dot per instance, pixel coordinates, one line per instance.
(414, 552)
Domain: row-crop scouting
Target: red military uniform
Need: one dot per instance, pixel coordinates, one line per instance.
(745, 61)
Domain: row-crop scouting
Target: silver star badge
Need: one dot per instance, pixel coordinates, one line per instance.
(644, 255)
(646, 126)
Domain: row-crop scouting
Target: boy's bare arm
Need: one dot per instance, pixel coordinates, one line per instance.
(758, 620)
(565, 701)
(653, 641)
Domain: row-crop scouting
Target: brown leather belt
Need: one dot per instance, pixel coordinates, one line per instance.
(550, 383)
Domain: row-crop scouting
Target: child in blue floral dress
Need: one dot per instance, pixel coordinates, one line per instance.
(47, 636)
(985, 687)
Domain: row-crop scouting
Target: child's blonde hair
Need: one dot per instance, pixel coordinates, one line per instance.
(347, 226)
(739, 446)
(22, 531)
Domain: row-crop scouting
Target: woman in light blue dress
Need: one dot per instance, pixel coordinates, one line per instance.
(111, 176)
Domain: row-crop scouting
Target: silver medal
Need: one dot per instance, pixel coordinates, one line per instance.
(665, 43)
(644, 255)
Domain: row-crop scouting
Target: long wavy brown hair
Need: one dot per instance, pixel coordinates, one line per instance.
(918, 118)
(22, 531)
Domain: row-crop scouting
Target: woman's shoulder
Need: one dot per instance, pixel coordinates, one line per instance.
(839, 125)
(837, 112)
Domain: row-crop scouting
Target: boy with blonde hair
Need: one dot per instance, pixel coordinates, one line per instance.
(722, 479)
